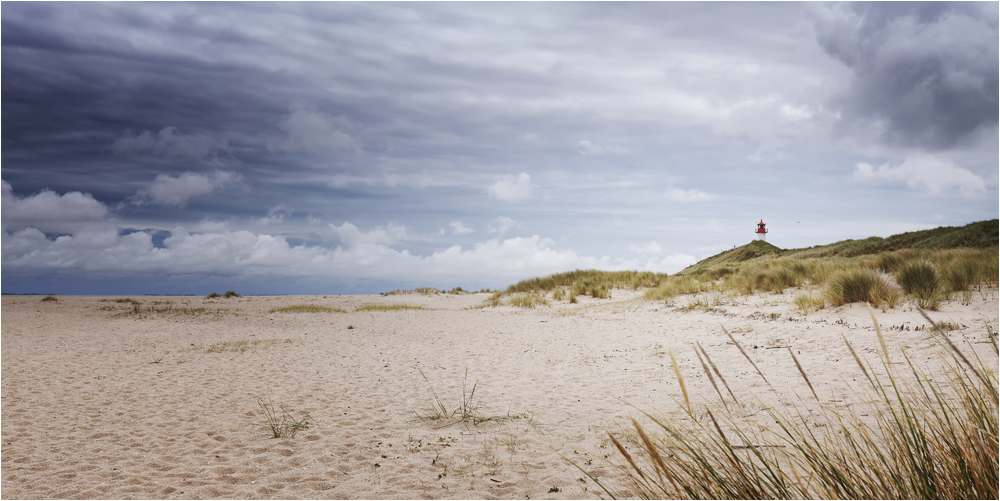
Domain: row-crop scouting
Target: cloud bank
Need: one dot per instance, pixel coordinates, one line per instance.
(924, 172)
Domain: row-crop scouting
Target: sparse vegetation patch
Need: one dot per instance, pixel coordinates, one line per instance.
(306, 308)
(528, 300)
(239, 346)
(388, 307)
(280, 423)
(467, 411)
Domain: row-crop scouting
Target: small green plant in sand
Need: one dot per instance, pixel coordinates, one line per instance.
(388, 307)
(306, 308)
(239, 346)
(466, 412)
(929, 437)
(49, 298)
(280, 423)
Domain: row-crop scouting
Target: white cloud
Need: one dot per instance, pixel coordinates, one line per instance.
(768, 152)
(460, 228)
(692, 195)
(924, 172)
(167, 143)
(420, 180)
(276, 214)
(503, 225)
(796, 113)
(530, 138)
(590, 148)
(650, 248)
(49, 211)
(669, 264)
(176, 191)
(675, 262)
(206, 225)
(351, 237)
(315, 132)
(511, 189)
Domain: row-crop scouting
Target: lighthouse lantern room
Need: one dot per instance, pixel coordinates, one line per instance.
(761, 233)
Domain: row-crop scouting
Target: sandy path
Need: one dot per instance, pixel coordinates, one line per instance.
(98, 403)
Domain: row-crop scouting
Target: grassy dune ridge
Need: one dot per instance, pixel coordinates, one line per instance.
(927, 267)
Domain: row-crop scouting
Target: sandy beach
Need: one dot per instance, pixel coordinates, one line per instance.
(101, 402)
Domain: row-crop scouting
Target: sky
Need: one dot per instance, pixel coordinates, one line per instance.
(357, 148)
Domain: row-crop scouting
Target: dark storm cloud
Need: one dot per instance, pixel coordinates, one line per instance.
(387, 140)
(925, 74)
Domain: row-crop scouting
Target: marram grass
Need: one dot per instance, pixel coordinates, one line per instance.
(864, 285)
(529, 300)
(922, 281)
(924, 438)
(306, 308)
(388, 307)
(847, 275)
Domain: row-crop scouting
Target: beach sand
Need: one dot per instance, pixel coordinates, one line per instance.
(98, 402)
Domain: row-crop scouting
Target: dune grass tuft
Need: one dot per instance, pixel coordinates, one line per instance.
(673, 286)
(306, 308)
(158, 308)
(427, 291)
(388, 307)
(925, 438)
(238, 346)
(921, 280)
(491, 302)
(863, 285)
(528, 300)
(806, 303)
(280, 423)
(587, 280)
(467, 411)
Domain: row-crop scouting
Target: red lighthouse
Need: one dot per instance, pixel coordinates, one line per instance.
(761, 233)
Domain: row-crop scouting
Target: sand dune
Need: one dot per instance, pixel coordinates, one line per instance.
(100, 402)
